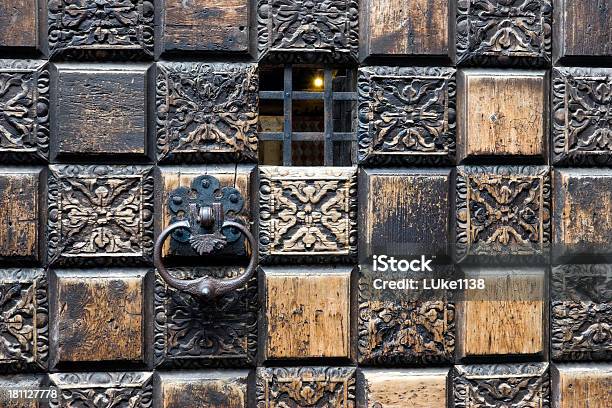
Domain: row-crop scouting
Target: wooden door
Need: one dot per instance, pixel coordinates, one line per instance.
(471, 139)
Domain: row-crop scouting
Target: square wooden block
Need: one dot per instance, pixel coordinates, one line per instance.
(582, 218)
(219, 333)
(293, 30)
(503, 213)
(406, 115)
(102, 389)
(24, 107)
(509, 32)
(414, 388)
(501, 385)
(421, 29)
(404, 211)
(207, 112)
(21, 220)
(19, 24)
(203, 26)
(101, 29)
(20, 383)
(235, 187)
(99, 316)
(582, 30)
(296, 387)
(99, 111)
(581, 119)
(507, 318)
(307, 213)
(581, 385)
(100, 214)
(220, 389)
(503, 113)
(307, 312)
(24, 316)
(581, 312)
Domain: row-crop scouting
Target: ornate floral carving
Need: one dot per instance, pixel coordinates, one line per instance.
(502, 386)
(109, 25)
(100, 214)
(581, 324)
(504, 31)
(307, 30)
(307, 212)
(193, 333)
(320, 387)
(207, 111)
(24, 317)
(502, 211)
(582, 116)
(84, 390)
(24, 110)
(407, 115)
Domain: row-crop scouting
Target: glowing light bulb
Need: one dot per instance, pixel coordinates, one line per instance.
(318, 82)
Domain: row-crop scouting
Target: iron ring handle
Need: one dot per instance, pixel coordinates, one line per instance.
(205, 287)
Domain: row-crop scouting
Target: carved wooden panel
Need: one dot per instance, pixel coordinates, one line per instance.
(503, 113)
(507, 318)
(581, 116)
(16, 382)
(202, 25)
(21, 225)
(509, 32)
(220, 389)
(100, 214)
(404, 211)
(398, 327)
(24, 318)
(185, 178)
(99, 111)
(308, 31)
(414, 388)
(190, 332)
(392, 28)
(105, 28)
(19, 23)
(102, 389)
(207, 112)
(581, 386)
(406, 115)
(24, 110)
(307, 312)
(582, 30)
(99, 316)
(582, 222)
(503, 212)
(501, 385)
(581, 315)
(307, 213)
(296, 387)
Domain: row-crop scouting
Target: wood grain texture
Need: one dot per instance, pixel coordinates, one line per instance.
(504, 113)
(100, 111)
(583, 213)
(404, 211)
(20, 220)
(204, 25)
(407, 388)
(20, 382)
(582, 29)
(211, 389)
(581, 385)
(100, 316)
(307, 312)
(19, 23)
(506, 318)
(418, 28)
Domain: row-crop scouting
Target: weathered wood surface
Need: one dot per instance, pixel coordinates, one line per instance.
(20, 382)
(581, 385)
(211, 389)
(19, 23)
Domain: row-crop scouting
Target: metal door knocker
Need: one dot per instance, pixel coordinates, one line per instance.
(205, 217)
